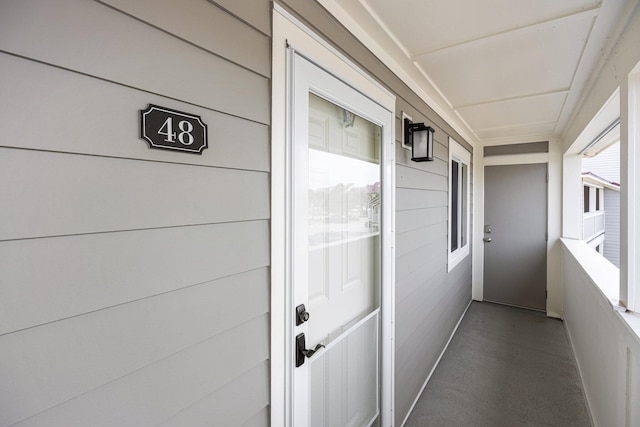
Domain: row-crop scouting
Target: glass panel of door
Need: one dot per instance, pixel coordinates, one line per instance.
(344, 206)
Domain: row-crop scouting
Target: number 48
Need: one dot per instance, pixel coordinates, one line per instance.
(184, 136)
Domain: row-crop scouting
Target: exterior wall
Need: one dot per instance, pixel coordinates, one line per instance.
(606, 164)
(554, 218)
(135, 282)
(605, 344)
(606, 348)
(429, 301)
(612, 226)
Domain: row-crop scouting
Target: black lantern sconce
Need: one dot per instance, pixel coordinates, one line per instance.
(420, 138)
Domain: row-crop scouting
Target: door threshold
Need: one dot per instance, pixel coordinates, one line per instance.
(520, 307)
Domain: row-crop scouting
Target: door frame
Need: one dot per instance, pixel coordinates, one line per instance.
(554, 200)
(290, 36)
(546, 220)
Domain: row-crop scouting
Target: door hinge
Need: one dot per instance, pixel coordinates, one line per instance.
(546, 236)
(547, 178)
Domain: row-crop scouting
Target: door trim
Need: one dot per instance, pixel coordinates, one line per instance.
(479, 163)
(545, 181)
(287, 33)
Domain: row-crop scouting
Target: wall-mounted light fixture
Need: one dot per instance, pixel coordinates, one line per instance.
(420, 138)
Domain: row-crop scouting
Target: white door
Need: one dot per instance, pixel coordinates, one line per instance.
(336, 249)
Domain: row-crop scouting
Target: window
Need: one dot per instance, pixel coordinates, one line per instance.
(593, 199)
(459, 190)
(586, 198)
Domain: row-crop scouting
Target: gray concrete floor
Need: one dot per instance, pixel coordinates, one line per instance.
(504, 367)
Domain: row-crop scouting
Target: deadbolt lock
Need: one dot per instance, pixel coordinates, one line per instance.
(301, 315)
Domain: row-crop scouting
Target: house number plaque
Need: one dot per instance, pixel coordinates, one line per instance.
(168, 129)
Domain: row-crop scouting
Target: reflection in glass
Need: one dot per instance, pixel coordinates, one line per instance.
(344, 198)
(344, 208)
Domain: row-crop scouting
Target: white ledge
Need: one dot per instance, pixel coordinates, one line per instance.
(632, 320)
(602, 272)
(606, 277)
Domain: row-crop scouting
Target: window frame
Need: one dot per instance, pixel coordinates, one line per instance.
(462, 157)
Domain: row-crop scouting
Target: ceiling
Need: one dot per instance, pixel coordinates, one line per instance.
(500, 70)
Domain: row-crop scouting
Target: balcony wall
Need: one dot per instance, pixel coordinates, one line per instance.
(592, 225)
(605, 341)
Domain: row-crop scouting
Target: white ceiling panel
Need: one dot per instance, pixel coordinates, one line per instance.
(503, 70)
(513, 134)
(525, 62)
(515, 112)
(426, 25)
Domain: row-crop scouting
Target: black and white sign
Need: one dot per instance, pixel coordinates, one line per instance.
(168, 129)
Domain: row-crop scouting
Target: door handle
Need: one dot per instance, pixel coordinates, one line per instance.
(487, 239)
(302, 352)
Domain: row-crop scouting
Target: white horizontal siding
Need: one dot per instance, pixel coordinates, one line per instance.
(255, 13)
(430, 257)
(414, 219)
(606, 164)
(135, 286)
(409, 198)
(231, 405)
(120, 341)
(408, 177)
(76, 113)
(429, 329)
(62, 194)
(159, 391)
(429, 299)
(413, 240)
(612, 226)
(439, 165)
(95, 39)
(210, 28)
(258, 420)
(50, 279)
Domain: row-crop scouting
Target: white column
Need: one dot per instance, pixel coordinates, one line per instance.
(572, 195)
(477, 283)
(630, 190)
(555, 303)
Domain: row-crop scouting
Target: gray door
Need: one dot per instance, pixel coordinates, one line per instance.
(515, 243)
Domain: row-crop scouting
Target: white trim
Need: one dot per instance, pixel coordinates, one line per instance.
(415, 401)
(348, 332)
(554, 224)
(405, 144)
(630, 194)
(477, 250)
(333, 51)
(458, 153)
(596, 181)
(310, 77)
(288, 31)
(516, 159)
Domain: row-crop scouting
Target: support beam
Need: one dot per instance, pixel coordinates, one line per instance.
(572, 196)
(630, 190)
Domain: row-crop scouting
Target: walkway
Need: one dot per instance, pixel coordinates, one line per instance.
(504, 367)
